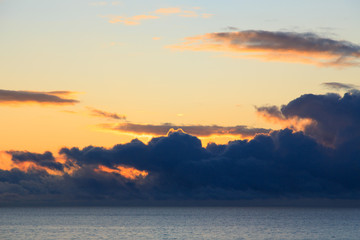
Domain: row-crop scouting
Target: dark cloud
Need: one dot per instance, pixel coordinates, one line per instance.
(339, 86)
(333, 118)
(100, 113)
(55, 97)
(197, 130)
(283, 164)
(308, 48)
(272, 111)
(45, 160)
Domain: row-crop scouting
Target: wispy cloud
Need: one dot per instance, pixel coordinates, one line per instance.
(161, 12)
(54, 97)
(104, 114)
(181, 12)
(308, 48)
(168, 11)
(339, 86)
(134, 20)
(197, 130)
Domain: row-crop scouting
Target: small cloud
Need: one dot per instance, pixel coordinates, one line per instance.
(231, 28)
(206, 15)
(116, 3)
(53, 97)
(104, 114)
(189, 14)
(168, 11)
(134, 20)
(156, 38)
(339, 86)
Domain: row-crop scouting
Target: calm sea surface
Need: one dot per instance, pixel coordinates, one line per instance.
(179, 223)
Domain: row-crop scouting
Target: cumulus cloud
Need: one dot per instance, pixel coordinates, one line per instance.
(54, 97)
(331, 118)
(308, 48)
(104, 114)
(197, 130)
(282, 164)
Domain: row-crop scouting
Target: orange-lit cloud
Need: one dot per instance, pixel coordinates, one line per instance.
(197, 130)
(104, 114)
(134, 20)
(307, 48)
(54, 97)
(182, 13)
(168, 11)
(127, 172)
(273, 114)
(5, 161)
(8, 162)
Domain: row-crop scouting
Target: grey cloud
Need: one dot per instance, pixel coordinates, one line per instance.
(55, 97)
(307, 47)
(197, 130)
(101, 113)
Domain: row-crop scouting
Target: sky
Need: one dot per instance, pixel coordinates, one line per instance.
(255, 99)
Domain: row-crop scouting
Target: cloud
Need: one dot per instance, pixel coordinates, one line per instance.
(331, 119)
(339, 86)
(161, 12)
(168, 11)
(181, 12)
(282, 164)
(197, 130)
(274, 115)
(54, 97)
(134, 20)
(100, 113)
(46, 159)
(308, 48)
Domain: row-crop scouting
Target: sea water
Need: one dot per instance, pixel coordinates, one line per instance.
(179, 223)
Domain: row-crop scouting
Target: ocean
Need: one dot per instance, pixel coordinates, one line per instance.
(179, 223)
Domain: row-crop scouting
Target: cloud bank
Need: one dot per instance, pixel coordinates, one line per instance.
(320, 162)
(198, 130)
(308, 48)
(54, 97)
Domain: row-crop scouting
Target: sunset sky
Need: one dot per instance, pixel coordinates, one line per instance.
(99, 73)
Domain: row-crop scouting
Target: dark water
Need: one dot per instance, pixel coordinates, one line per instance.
(179, 223)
